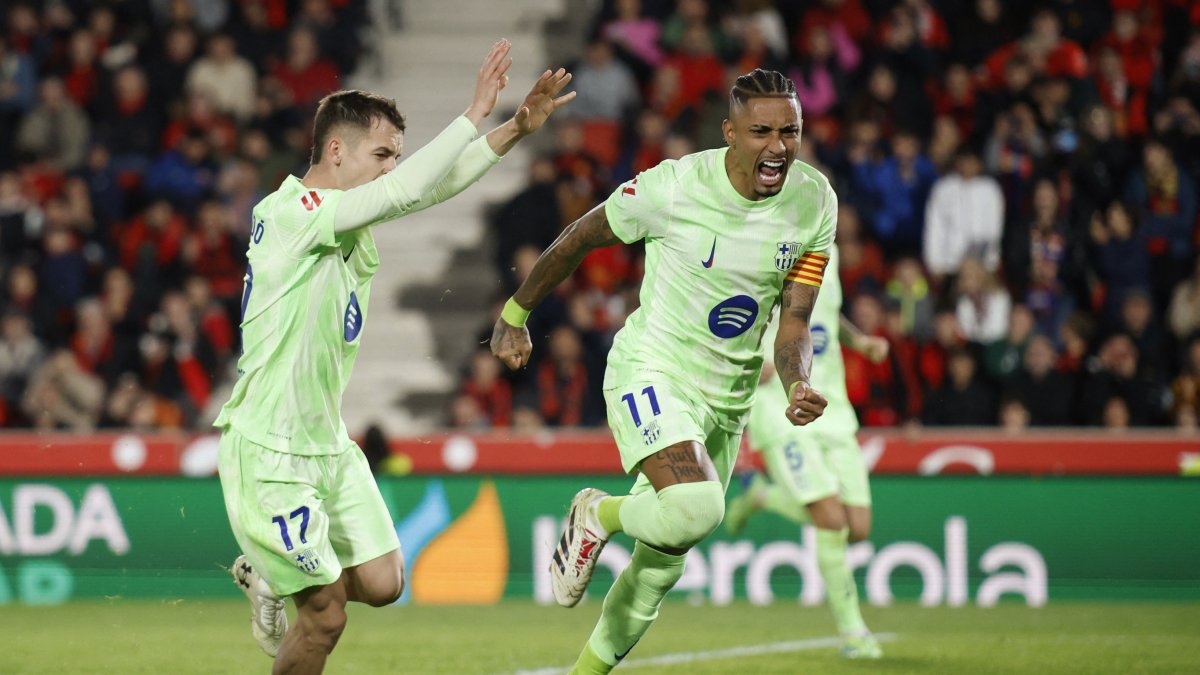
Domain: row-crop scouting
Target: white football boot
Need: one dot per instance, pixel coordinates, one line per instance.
(574, 558)
(268, 617)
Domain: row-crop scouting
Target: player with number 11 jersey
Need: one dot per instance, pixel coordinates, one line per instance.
(730, 234)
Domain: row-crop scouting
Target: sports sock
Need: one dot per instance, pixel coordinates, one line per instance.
(590, 663)
(778, 500)
(608, 512)
(630, 607)
(840, 588)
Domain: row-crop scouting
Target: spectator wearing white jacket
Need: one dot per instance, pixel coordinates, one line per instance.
(228, 80)
(964, 216)
(983, 306)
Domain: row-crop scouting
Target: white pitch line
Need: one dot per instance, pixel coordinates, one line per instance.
(717, 654)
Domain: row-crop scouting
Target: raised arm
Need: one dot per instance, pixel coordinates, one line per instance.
(484, 153)
(541, 101)
(510, 338)
(401, 190)
(794, 352)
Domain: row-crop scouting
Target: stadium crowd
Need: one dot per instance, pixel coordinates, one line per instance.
(135, 137)
(1018, 196)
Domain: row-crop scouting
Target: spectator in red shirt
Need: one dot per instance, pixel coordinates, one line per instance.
(305, 74)
(1113, 88)
(848, 14)
(904, 350)
(1139, 54)
(646, 149)
(212, 318)
(1050, 52)
(934, 354)
(213, 252)
(694, 70)
(149, 245)
(203, 118)
(562, 381)
(876, 390)
(956, 98)
(490, 393)
(861, 267)
(97, 347)
(81, 76)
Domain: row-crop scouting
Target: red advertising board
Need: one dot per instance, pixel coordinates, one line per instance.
(983, 452)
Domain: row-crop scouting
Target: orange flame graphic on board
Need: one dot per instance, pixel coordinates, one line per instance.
(468, 562)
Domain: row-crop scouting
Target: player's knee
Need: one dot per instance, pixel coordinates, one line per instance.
(828, 514)
(860, 523)
(388, 589)
(693, 511)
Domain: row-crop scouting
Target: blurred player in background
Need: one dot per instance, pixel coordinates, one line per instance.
(730, 233)
(300, 496)
(817, 474)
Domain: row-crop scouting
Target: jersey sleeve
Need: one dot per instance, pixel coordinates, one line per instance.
(828, 225)
(304, 221)
(475, 161)
(400, 191)
(638, 208)
(810, 267)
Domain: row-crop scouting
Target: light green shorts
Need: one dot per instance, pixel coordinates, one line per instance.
(302, 519)
(810, 463)
(653, 412)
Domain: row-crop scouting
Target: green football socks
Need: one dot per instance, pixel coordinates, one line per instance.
(840, 589)
(608, 512)
(630, 607)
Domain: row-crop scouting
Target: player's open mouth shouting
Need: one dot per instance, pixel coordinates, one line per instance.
(771, 172)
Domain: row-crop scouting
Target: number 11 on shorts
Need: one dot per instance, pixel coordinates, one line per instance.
(630, 401)
(283, 527)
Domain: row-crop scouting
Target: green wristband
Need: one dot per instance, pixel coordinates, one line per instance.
(514, 314)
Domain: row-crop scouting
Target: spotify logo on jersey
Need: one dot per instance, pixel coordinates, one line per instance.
(733, 317)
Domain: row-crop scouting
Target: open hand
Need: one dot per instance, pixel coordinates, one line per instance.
(511, 344)
(491, 80)
(541, 101)
(806, 405)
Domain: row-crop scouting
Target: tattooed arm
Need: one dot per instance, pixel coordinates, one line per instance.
(794, 353)
(511, 344)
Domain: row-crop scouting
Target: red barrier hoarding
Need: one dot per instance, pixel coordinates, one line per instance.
(984, 452)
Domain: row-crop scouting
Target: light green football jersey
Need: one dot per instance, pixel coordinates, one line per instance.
(715, 264)
(304, 305)
(828, 368)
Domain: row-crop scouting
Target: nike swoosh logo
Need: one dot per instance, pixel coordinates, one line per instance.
(346, 258)
(711, 254)
(620, 657)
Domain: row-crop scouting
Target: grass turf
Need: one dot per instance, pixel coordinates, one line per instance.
(183, 637)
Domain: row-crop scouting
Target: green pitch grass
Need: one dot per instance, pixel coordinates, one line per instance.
(183, 637)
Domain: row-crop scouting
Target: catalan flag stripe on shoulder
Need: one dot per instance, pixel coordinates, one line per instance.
(809, 269)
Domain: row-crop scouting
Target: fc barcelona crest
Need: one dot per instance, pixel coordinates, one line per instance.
(786, 254)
